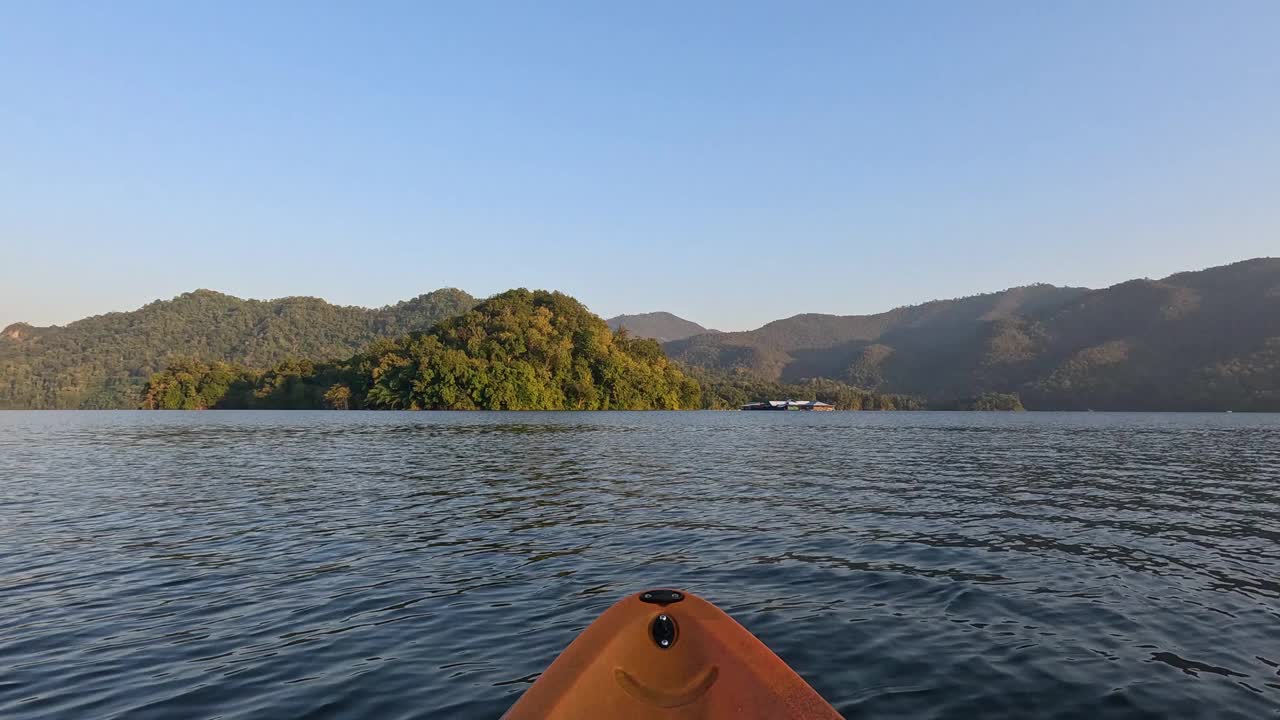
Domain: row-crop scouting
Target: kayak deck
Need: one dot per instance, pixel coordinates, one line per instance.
(668, 654)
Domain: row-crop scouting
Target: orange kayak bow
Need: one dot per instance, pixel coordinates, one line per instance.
(668, 654)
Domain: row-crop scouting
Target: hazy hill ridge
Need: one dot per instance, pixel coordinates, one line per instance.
(660, 326)
(1200, 340)
(103, 361)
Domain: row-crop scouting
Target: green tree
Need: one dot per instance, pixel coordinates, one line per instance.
(338, 397)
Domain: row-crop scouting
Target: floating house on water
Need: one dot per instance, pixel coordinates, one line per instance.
(790, 405)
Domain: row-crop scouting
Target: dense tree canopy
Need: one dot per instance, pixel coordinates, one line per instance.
(104, 361)
(521, 350)
(191, 384)
(732, 390)
(985, 401)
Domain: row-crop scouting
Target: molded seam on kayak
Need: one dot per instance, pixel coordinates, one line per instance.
(667, 698)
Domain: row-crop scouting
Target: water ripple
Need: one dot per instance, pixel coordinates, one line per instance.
(400, 565)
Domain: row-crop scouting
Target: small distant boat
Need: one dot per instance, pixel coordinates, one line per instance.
(790, 405)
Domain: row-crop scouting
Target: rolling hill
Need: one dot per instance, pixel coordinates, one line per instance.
(518, 350)
(1205, 340)
(104, 361)
(660, 326)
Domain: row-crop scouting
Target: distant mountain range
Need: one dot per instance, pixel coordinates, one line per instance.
(1205, 340)
(660, 326)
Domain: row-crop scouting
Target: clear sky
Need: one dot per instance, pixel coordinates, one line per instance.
(731, 162)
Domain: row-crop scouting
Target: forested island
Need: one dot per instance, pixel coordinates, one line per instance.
(520, 350)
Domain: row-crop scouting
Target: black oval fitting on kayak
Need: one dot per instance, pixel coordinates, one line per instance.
(661, 597)
(663, 631)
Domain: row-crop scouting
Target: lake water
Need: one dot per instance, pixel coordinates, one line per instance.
(401, 565)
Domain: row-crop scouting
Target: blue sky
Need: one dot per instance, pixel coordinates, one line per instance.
(731, 162)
